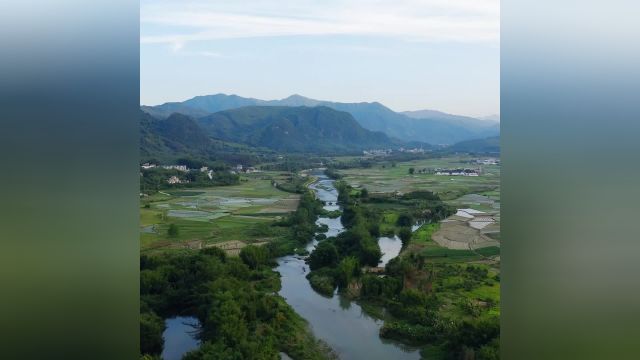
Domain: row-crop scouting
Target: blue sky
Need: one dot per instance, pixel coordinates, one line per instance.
(406, 54)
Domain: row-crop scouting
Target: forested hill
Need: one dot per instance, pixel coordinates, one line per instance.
(478, 146)
(180, 136)
(249, 129)
(425, 126)
(293, 129)
(162, 138)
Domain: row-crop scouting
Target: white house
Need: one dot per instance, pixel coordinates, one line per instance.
(174, 180)
(176, 167)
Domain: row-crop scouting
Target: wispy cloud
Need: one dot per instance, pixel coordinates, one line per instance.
(177, 23)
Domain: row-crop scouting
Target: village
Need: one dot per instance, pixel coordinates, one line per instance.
(174, 179)
(387, 152)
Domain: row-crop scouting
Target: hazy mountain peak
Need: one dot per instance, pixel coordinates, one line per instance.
(296, 100)
(296, 97)
(493, 117)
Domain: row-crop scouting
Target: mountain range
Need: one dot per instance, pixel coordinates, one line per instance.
(293, 129)
(299, 129)
(426, 126)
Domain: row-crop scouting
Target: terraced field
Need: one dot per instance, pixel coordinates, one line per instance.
(207, 216)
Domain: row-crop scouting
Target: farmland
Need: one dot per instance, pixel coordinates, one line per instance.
(206, 216)
(476, 192)
(388, 177)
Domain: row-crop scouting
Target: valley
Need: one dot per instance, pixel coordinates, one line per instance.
(253, 214)
(296, 232)
(426, 126)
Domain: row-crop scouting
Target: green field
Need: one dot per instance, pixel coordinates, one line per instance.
(480, 193)
(211, 215)
(421, 243)
(384, 177)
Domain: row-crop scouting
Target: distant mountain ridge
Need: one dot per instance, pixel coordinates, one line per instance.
(299, 129)
(489, 145)
(437, 128)
(287, 129)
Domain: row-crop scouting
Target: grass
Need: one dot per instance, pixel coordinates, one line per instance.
(421, 243)
(442, 254)
(210, 215)
(422, 236)
(484, 296)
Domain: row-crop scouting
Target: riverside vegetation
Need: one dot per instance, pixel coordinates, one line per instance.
(444, 301)
(234, 298)
(449, 308)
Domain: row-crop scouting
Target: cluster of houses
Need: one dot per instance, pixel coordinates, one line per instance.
(412, 151)
(176, 180)
(489, 161)
(458, 172)
(240, 169)
(147, 166)
(377, 152)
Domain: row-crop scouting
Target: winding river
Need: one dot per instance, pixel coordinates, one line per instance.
(339, 322)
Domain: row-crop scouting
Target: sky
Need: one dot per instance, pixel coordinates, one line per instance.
(407, 54)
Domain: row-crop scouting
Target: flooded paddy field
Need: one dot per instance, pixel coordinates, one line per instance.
(480, 193)
(210, 215)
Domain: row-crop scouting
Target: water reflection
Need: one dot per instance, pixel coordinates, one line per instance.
(180, 337)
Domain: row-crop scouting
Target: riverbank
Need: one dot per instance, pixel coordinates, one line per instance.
(343, 324)
(444, 307)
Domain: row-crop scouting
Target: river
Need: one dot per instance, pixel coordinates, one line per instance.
(179, 337)
(336, 320)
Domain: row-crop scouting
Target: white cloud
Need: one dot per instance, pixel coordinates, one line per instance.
(179, 22)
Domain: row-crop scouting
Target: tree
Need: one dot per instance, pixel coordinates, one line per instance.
(253, 256)
(151, 329)
(325, 254)
(347, 268)
(405, 220)
(411, 171)
(173, 230)
(405, 236)
(364, 193)
(370, 253)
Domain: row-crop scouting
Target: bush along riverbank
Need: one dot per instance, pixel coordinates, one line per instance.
(449, 309)
(235, 299)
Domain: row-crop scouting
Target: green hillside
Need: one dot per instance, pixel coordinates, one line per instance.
(293, 129)
(426, 126)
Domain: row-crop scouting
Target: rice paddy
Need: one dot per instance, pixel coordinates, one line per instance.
(475, 192)
(214, 215)
(385, 177)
